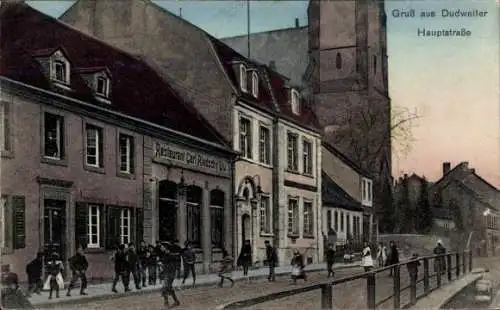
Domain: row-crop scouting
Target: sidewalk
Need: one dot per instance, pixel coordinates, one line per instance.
(103, 290)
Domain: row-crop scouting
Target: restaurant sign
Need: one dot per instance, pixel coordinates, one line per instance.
(171, 154)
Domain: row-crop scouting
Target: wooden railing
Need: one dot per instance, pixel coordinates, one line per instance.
(452, 272)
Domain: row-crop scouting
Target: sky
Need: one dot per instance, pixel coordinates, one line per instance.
(452, 82)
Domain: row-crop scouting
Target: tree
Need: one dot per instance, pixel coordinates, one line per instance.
(405, 213)
(425, 219)
(387, 216)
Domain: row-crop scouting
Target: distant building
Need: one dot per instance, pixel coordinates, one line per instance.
(347, 197)
(472, 202)
(258, 111)
(97, 150)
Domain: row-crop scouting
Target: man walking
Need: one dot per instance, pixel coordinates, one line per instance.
(142, 252)
(78, 264)
(330, 259)
(168, 265)
(34, 272)
(272, 259)
(133, 265)
(121, 268)
(188, 258)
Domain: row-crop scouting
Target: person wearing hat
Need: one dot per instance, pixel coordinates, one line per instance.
(440, 262)
(78, 264)
(54, 280)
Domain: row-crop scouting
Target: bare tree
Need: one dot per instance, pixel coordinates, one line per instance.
(363, 132)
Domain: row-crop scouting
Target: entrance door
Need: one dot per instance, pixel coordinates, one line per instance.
(245, 227)
(167, 219)
(55, 227)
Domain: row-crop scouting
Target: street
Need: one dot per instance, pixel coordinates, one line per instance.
(207, 297)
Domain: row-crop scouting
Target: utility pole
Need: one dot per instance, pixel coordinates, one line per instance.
(248, 29)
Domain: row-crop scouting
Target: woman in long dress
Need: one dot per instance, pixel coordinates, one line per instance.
(367, 260)
(54, 281)
(298, 267)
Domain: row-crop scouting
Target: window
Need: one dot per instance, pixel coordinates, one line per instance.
(246, 137)
(125, 224)
(60, 71)
(193, 203)
(53, 136)
(348, 224)
(217, 218)
(264, 145)
(308, 219)
(374, 64)
(341, 221)
(292, 152)
(307, 157)
(243, 78)
(265, 215)
(126, 150)
(255, 84)
(366, 190)
(328, 220)
(5, 126)
(94, 236)
(295, 102)
(338, 61)
(336, 221)
(293, 217)
(102, 86)
(94, 146)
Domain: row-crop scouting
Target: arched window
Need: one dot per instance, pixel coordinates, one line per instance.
(217, 218)
(167, 213)
(193, 206)
(338, 61)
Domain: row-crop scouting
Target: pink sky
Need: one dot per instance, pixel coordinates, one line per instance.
(454, 84)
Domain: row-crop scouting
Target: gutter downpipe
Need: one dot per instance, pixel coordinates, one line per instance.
(275, 184)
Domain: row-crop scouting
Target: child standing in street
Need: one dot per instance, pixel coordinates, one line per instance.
(226, 269)
(55, 280)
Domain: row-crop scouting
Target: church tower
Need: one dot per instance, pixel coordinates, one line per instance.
(348, 77)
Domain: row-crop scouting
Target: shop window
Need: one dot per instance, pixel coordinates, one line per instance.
(193, 206)
(217, 218)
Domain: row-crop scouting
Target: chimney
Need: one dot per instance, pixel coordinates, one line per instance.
(297, 24)
(446, 167)
(406, 175)
(272, 65)
(472, 170)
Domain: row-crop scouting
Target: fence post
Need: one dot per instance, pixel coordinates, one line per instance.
(464, 270)
(426, 276)
(413, 283)
(326, 297)
(470, 261)
(437, 263)
(396, 287)
(457, 261)
(370, 289)
(448, 266)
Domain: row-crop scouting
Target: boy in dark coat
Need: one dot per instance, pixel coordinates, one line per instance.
(330, 259)
(78, 264)
(133, 265)
(121, 268)
(152, 263)
(188, 257)
(168, 263)
(142, 252)
(34, 272)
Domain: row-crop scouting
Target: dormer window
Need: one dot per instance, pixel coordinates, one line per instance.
(255, 84)
(243, 78)
(295, 101)
(59, 69)
(102, 86)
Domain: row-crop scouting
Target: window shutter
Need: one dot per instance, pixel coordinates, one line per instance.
(102, 226)
(8, 226)
(139, 227)
(81, 224)
(19, 222)
(112, 227)
(61, 130)
(132, 155)
(101, 149)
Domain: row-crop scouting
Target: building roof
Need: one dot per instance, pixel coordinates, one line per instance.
(333, 195)
(345, 159)
(278, 85)
(136, 89)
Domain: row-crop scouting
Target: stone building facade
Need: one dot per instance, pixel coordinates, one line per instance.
(93, 141)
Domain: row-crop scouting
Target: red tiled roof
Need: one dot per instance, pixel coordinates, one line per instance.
(228, 57)
(137, 90)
